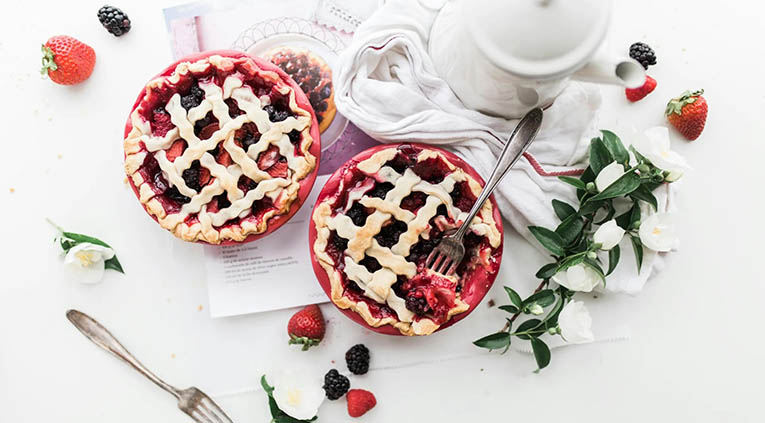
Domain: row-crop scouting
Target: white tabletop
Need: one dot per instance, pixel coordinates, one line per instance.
(695, 351)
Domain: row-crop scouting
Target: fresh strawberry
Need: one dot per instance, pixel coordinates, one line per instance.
(278, 170)
(306, 327)
(268, 158)
(637, 94)
(688, 113)
(66, 60)
(175, 150)
(359, 402)
(224, 158)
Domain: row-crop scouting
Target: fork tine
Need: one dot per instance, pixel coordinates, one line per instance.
(198, 416)
(218, 414)
(444, 264)
(452, 269)
(431, 257)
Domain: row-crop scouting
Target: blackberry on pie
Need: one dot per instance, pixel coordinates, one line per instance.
(218, 146)
(375, 229)
(313, 75)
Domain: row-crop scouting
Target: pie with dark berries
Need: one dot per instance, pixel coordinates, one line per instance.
(219, 146)
(376, 221)
(313, 75)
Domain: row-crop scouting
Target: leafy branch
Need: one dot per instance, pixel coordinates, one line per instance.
(572, 243)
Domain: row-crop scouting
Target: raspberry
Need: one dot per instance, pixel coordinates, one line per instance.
(357, 359)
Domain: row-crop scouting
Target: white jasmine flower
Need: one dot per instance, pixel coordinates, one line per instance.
(657, 232)
(608, 175)
(86, 261)
(654, 145)
(298, 394)
(579, 277)
(608, 235)
(575, 323)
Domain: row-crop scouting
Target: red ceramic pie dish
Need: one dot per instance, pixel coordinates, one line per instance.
(475, 282)
(306, 184)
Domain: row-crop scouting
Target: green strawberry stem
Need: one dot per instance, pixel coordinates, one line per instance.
(48, 62)
(304, 341)
(676, 104)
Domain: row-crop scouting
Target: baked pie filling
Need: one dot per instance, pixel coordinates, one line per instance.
(376, 230)
(217, 148)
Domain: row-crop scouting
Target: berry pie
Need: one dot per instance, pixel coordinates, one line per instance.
(313, 75)
(375, 223)
(219, 147)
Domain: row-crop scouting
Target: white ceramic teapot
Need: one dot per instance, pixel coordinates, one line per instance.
(505, 57)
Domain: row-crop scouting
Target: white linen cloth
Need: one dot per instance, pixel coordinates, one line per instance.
(387, 85)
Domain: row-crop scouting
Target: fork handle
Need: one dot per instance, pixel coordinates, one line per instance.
(104, 339)
(522, 136)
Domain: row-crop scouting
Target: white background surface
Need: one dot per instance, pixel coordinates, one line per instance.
(696, 351)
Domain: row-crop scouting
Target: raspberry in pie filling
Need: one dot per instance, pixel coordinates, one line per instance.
(375, 230)
(217, 147)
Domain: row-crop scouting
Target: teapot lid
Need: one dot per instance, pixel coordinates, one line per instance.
(537, 38)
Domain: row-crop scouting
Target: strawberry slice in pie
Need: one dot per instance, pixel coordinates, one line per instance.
(375, 223)
(219, 147)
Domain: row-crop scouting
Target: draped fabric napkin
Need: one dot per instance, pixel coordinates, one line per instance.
(387, 85)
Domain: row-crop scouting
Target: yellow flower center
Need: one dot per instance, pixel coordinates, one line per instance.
(294, 396)
(665, 154)
(656, 231)
(86, 258)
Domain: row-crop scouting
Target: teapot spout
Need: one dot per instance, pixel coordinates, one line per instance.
(623, 71)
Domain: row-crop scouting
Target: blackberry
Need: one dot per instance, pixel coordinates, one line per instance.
(389, 234)
(175, 195)
(643, 53)
(335, 384)
(417, 305)
(193, 98)
(191, 176)
(114, 20)
(357, 359)
(358, 214)
(294, 136)
(380, 189)
(276, 115)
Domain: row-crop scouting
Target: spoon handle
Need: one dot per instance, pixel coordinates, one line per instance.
(104, 339)
(519, 141)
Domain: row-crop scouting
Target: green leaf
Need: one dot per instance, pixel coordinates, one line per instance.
(615, 147)
(563, 209)
(626, 220)
(640, 157)
(551, 320)
(571, 261)
(624, 185)
(589, 207)
(600, 157)
(570, 229)
(572, 181)
(114, 264)
(266, 387)
(526, 326)
(514, 297)
(541, 352)
(549, 239)
(588, 175)
(509, 308)
(642, 193)
(80, 238)
(547, 271)
(544, 298)
(609, 215)
(494, 341)
(613, 259)
(637, 245)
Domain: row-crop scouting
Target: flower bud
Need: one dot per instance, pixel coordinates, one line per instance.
(590, 187)
(592, 255)
(535, 309)
(644, 168)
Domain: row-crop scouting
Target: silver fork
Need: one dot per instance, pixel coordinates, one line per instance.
(447, 255)
(191, 401)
